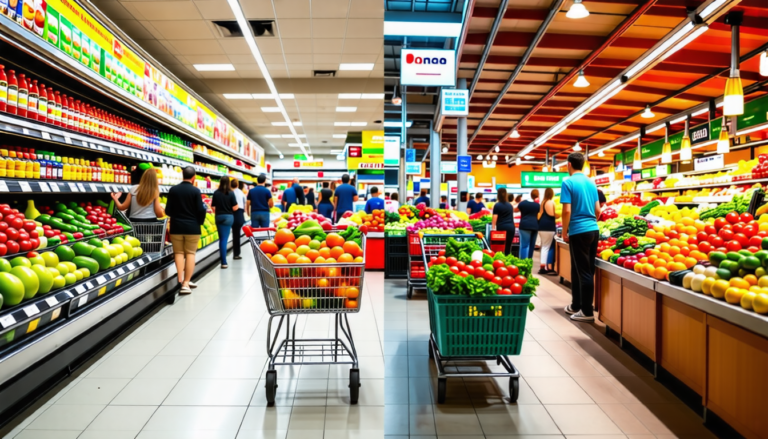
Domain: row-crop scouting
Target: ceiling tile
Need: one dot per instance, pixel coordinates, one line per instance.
(330, 9)
(294, 28)
(215, 10)
(155, 48)
(257, 9)
(298, 59)
(293, 8)
(219, 75)
(328, 28)
(207, 59)
(113, 9)
(328, 46)
(363, 46)
(134, 29)
(327, 59)
(183, 30)
(196, 47)
(273, 58)
(235, 46)
(365, 28)
(152, 30)
(133, 10)
(367, 9)
(302, 45)
(179, 10)
(269, 45)
(355, 58)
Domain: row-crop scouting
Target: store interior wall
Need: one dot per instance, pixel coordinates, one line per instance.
(329, 161)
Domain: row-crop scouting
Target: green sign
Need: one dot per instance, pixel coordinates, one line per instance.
(543, 179)
(618, 159)
(299, 157)
(648, 173)
(629, 157)
(755, 113)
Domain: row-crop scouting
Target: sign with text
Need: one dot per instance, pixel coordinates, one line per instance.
(464, 163)
(354, 151)
(306, 164)
(413, 168)
(700, 134)
(410, 155)
(710, 163)
(454, 102)
(370, 155)
(391, 150)
(428, 67)
(448, 168)
(543, 179)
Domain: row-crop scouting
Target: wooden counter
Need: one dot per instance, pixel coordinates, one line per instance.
(563, 260)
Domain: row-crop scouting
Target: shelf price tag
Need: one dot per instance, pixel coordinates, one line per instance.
(73, 187)
(101, 280)
(83, 300)
(131, 266)
(81, 187)
(46, 136)
(120, 271)
(111, 275)
(112, 150)
(67, 140)
(140, 262)
(52, 301)
(25, 187)
(3, 186)
(126, 188)
(7, 321)
(94, 188)
(25, 131)
(80, 289)
(55, 187)
(88, 286)
(31, 310)
(44, 186)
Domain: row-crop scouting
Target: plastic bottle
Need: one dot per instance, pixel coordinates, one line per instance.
(56, 108)
(13, 92)
(3, 89)
(42, 105)
(3, 162)
(51, 106)
(23, 99)
(34, 96)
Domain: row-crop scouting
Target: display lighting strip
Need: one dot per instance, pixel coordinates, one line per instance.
(682, 37)
(237, 10)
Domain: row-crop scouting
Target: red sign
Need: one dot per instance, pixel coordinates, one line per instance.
(320, 174)
(603, 179)
(454, 190)
(355, 151)
(117, 48)
(297, 164)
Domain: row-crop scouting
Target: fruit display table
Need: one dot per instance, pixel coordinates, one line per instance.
(563, 260)
(374, 251)
(698, 339)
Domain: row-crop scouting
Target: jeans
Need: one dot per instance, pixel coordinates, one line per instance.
(326, 210)
(527, 243)
(583, 252)
(510, 229)
(224, 227)
(237, 228)
(547, 247)
(260, 219)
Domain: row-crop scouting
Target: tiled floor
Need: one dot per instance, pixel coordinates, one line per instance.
(195, 370)
(575, 383)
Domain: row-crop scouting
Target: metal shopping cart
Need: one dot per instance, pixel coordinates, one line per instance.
(151, 234)
(471, 329)
(417, 275)
(295, 289)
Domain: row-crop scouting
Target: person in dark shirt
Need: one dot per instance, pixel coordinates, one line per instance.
(601, 197)
(325, 202)
(186, 210)
(311, 198)
(345, 196)
(289, 198)
(423, 198)
(529, 224)
(443, 202)
(374, 203)
(504, 219)
(224, 204)
(476, 205)
(299, 189)
(258, 202)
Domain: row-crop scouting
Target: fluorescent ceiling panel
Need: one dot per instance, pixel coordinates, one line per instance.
(356, 66)
(214, 67)
(346, 109)
(421, 29)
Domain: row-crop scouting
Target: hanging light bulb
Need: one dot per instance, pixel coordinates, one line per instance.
(594, 172)
(638, 159)
(586, 169)
(518, 161)
(611, 169)
(764, 63)
(601, 154)
(495, 158)
(685, 146)
(647, 114)
(724, 142)
(666, 153)
(578, 10)
(581, 81)
(733, 97)
(479, 156)
(515, 134)
(497, 148)
(506, 158)
(445, 150)
(488, 157)
(545, 168)
(577, 147)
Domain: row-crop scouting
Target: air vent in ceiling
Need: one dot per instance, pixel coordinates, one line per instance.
(324, 73)
(260, 28)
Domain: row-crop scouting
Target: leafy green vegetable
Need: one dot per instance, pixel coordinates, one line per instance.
(352, 234)
(461, 250)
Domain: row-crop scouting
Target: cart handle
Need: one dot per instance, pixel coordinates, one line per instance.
(249, 230)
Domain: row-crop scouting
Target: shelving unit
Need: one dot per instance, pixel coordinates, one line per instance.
(730, 183)
(71, 187)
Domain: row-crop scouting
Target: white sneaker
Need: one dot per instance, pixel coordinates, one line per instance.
(569, 310)
(580, 317)
(192, 285)
(185, 290)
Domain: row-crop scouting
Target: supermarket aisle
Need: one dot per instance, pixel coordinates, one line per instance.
(194, 370)
(575, 383)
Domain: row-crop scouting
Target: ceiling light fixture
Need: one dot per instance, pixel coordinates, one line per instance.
(581, 81)
(287, 124)
(281, 156)
(296, 145)
(398, 124)
(238, 96)
(577, 147)
(349, 95)
(724, 142)
(346, 109)
(214, 67)
(529, 157)
(497, 148)
(587, 169)
(422, 29)
(271, 136)
(356, 66)
(377, 96)
(577, 10)
(270, 109)
(518, 161)
(339, 136)
(506, 158)
(479, 157)
(445, 149)
(488, 157)
(495, 157)
(648, 114)
(685, 146)
(764, 63)
(734, 92)
(601, 154)
(360, 124)
(515, 134)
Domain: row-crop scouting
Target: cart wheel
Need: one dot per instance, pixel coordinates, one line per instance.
(514, 389)
(410, 292)
(354, 385)
(442, 384)
(271, 386)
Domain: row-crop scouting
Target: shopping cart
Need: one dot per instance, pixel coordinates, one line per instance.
(471, 329)
(151, 234)
(421, 250)
(295, 289)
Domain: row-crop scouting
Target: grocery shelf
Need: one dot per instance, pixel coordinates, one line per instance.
(699, 200)
(624, 273)
(71, 187)
(730, 183)
(19, 126)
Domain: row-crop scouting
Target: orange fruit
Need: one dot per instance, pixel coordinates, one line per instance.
(639, 267)
(290, 245)
(337, 251)
(303, 240)
(293, 257)
(322, 283)
(285, 251)
(690, 262)
(665, 256)
(279, 259)
(352, 248)
(652, 259)
(660, 273)
(664, 247)
(674, 250)
(325, 252)
(739, 283)
(359, 259)
(685, 251)
(312, 255)
(330, 261)
(353, 293)
(320, 260)
(284, 235)
(346, 257)
(679, 258)
(303, 260)
(269, 246)
(751, 278)
(643, 260)
(660, 263)
(334, 240)
(350, 304)
(649, 270)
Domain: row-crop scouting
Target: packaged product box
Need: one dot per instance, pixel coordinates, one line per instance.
(28, 14)
(39, 23)
(77, 43)
(52, 26)
(96, 57)
(4, 7)
(108, 60)
(10, 8)
(18, 5)
(85, 50)
(65, 36)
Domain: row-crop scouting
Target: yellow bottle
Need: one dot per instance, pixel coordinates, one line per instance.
(10, 168)
(30, 169)
(3, 162)
(21, 168)
(67, 173)
(36, 170)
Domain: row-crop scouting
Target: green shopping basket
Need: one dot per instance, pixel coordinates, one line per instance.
(466, 326)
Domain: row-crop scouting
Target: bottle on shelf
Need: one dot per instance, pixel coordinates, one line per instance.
(3, 89)
(42, 105)
(23, 96)
(34, 96)
(13, 92)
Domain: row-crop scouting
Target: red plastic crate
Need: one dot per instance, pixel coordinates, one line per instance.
(414, 244)
(414, 266)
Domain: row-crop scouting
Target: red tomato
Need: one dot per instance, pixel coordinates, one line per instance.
(750, 231)
(498, 264)
(17, 222)
(722, 249)
(710, 230)
(716, 241)
(502, 271)
(461, 265)
(476, 263)
(440, 260)
(705, 247)
(463, 274)
(738, 228)
(479, 272)
(496, 279)
(488, 252)
(520, 280)
(673, 234)
(732, 217)
(755, 241)
(742, 238)
(746, 217)
(516, 288)
(451, 261)
(513, 270)
(720, 222)
(762, 234)
(441, 253)
(753, 249)
(505, 292)
(13, 247)
(455, 270)
(470, 269)
(507, 281)
(733, 246)
(432, 258)
(488, 275)
(3, 249)
(726, 234)
(702, 236)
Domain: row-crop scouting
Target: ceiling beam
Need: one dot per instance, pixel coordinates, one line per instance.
(558, 41)
(488, 45)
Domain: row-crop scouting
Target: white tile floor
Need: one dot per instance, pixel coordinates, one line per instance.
(195, 370)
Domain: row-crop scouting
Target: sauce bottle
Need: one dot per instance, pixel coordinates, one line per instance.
(23, 100)
(13, 92)
(3, 162)
(42, 104)
(3, 91)
(66, 116)
(53, 107)
(34, 96)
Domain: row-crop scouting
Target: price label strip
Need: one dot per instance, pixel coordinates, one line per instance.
(67, 140)
(44, 186)
(52, 301)
(7, 321)
(80, 289)
(46, 136)
(25, 187)
(73, 187)
(131, 266)
(94, 188)
(3, 186)
(101, 280)
(55, 187)
(83, 300)
(120, 271)
(81, 187)
(31, 310)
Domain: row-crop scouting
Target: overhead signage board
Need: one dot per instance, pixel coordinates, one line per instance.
(355, 151)
(448, 168)
(755, 113)
(299, 157)
(305, 164)
(391, 150)
(413, 168)
(709, 163)
(370, 155)
(543, 179)
(410, 155)
(464, 163)
(428, 67)
(700, 134)
(454, 102)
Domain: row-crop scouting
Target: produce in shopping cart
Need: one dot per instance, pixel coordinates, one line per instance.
(296, 217)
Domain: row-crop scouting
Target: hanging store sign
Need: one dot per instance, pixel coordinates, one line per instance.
(306, 164)
(413, 168)
(454, 102)
(428, 67)
(354, 151)
(543, 179)
(410, 155)
(755, 113)
(604, 179)
(391, 150)
(370, 155)
(448, 168)
(700, 134)
(464, 163)
(710, 163)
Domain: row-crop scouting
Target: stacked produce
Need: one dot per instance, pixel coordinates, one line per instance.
(373, 222)
(209, 233)
(24, 277)
(463, 268)
(480, 220)
(298, 216)
(82, 219)
(395, 223)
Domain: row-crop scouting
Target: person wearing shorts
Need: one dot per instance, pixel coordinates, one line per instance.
(186, 210)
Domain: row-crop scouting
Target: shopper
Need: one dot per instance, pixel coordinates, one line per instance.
(393, 204)
(476, 205)
(529, 224)
(547, 229)
(187, 211)
(142, 199)
(345, 196)
(258, 202)
(423, 198)
(443, 202)
(311, 198)
(224, 205)
(374, 202)
(581, 208)
(504, 219)
(325, 202)
(239, 215)
(299, 190)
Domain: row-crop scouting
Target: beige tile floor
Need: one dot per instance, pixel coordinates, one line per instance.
(194, 370)
(575, 383)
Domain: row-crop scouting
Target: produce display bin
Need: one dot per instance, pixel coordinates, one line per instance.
(395, 257)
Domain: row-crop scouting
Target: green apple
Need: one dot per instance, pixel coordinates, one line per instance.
(28, 278)
(37, 260)
(51, 259)
(45, 277)
(11, 288)
(59, 282)
(5, 266)
(70, 278)
(78, 275)
(20, 261)
(63, 269)
(86, 272)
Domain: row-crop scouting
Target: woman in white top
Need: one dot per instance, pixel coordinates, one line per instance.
(237, 226)
(142, 199)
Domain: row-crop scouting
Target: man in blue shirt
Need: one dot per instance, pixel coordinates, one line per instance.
(476, 205)
(581, 208)
(374, 203)
(423, 198)
(443, 202)
(258, 202)
(345, 195)
(289, 198)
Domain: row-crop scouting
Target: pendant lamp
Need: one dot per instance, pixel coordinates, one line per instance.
(611, 169)
(666, 149)
(515, 134)
(586, 169)
(685, 146)
(581, 81)
(545, 168)
(733, 97)
(518, 161)
(764, 63)
(638, 160)
(577, 10)
(647, 114)
(724, 142)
